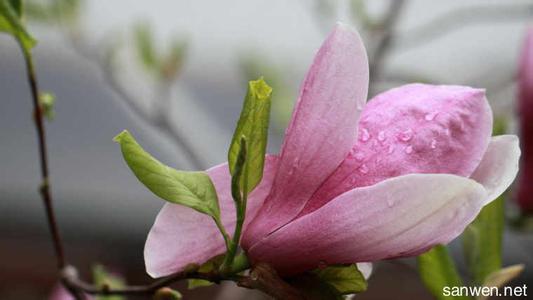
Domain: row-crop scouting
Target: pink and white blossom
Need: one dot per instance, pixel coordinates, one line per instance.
(354, 183)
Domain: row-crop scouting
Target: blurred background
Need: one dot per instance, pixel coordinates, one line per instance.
(174, 73)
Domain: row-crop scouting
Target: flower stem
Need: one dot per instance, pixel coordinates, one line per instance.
(239, 193)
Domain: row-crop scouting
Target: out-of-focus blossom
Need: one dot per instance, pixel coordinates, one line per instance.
(524, 193)
(354, 183)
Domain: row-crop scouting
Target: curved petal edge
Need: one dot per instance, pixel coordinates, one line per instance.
(499, 165)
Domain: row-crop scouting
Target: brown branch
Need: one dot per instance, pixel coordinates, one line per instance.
(70, 279)
(458, 19)
(384, 32)
(264, 278)
(44, 188)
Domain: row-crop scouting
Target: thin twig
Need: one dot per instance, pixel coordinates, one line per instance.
(262, 277)
(44, 188)
(71, 280)
(159, 117)
(457, 19)
(385, 36)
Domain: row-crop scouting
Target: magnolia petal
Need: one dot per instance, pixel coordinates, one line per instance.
(322, 129)
(499, 166)
(415, 128)
(182, 236)
(398, 217)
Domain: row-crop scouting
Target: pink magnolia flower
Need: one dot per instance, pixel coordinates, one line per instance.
(354, 183)
(525, 108)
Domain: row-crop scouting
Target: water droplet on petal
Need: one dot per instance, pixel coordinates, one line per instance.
(359, 156)
(431, 116)
(433, 144)
(364, 135)
(447, 131)
(363, 169)
(406, 135)
(391, 149)
(390, 201)
(381, 136)
(409, 149)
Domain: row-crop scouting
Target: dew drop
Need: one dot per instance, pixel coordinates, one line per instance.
(359, 156)
(390, 201)
(363, 169)
(391, 149)
(364, 135)
(409, 149)
(406, 135)
(381, 136)
(431, 116)
(433, 144)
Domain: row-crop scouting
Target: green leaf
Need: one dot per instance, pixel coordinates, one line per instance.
(237, 183)
(49, 12)
(191, 189)
(167, 293)
(102, 277)
(47, 102)
(253, 126)
(11, 23)
(144, 42)
(345, 279)
(253, 66)
(437, 270)
(482, 241)
(17, 6)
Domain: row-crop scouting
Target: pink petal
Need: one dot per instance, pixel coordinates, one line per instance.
(321, 131)
(416, 128)
(398, 217)
(181, 236)
(499, 166)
